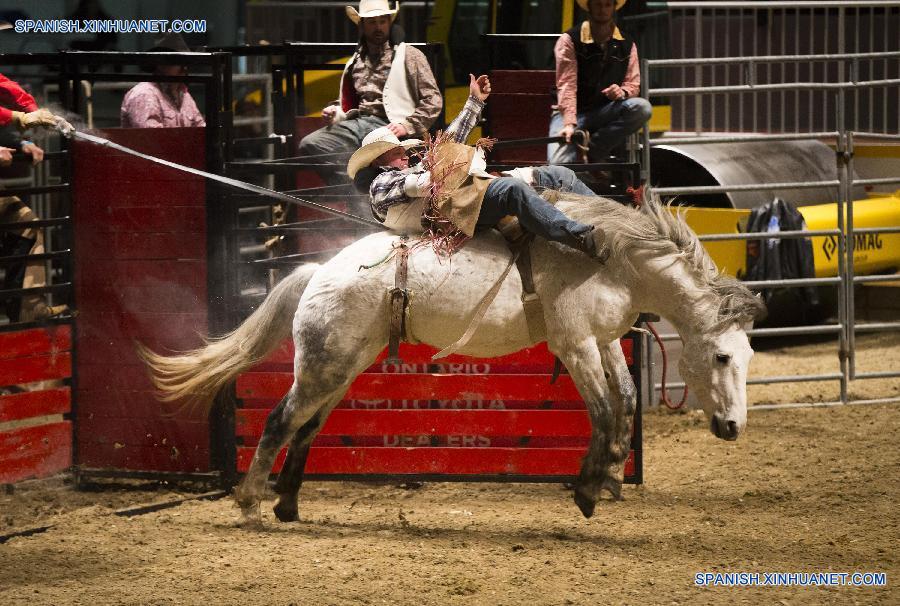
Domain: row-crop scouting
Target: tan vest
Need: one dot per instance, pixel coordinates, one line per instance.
(460, 194)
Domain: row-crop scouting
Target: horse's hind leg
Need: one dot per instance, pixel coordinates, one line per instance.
(623, 397)
(321, 377)
(290, 479)
(280, 425)
(585, 366)
(296, 409)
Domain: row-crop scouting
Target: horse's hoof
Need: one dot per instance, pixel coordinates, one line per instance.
(614, 487)
(286, 512)
(585, 504)
(250, 517)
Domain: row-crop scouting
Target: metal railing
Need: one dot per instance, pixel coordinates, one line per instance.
(843, 138)
(795, 37)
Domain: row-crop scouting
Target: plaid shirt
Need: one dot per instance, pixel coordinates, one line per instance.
(388, 189)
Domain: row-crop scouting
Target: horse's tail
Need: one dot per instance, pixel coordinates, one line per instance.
(197, 375)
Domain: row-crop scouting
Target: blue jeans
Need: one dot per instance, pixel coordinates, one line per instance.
(561, 179)
(609, 125)
(510, 196)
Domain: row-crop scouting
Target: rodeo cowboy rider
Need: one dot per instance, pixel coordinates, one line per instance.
(474, 200)
(26, 115)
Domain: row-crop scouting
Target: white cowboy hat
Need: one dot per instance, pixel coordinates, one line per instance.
(372, 8)
(374, 144)
(584, 4)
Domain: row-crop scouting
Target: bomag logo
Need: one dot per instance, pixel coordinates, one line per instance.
(861, 243)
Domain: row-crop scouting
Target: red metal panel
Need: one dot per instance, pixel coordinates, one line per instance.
(140, 265)
(516, 116)
(520, 108)
(523, 81)
(443, 404)
(149, 298)
(34, 452)
(426, 387)
(182, 145)
(344, 422)
(150, 272)
(176, 219)
(52, 339)
(538, 357)
(430, 460)
(150, 431)
(156, 330)
(127, 193)
(133, 404)
(35, 368)
(146, 245)
(34, 404)
(103, 376)
(182, 458)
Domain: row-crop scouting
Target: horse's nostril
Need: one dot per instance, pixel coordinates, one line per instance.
(732, 428)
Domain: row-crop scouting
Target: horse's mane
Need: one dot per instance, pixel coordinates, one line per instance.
(626, 231)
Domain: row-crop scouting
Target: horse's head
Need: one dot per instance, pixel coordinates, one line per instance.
(714, 366)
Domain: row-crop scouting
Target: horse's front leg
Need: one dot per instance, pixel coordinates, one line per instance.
(623, 398)
(585, 366)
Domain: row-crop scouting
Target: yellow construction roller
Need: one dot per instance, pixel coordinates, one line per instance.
(872, 253)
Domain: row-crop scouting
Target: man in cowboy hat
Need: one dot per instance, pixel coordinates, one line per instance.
(386, 83)
(162, 104)
(469, 197)
(598, 84)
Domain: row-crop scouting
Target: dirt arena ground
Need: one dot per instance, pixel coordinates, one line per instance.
(804, 490)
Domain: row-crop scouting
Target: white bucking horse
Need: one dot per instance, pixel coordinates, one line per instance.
(339, 316)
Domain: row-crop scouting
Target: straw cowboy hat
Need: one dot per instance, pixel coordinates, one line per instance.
(584, 4)
(374, 144)
(372, 8)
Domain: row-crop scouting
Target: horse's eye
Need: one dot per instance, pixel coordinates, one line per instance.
(723, 358)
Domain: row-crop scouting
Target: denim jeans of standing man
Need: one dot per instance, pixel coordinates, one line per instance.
(608, 125)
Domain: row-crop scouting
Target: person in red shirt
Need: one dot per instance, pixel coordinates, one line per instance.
(26, 113)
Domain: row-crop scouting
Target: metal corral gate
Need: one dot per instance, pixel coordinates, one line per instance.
(831, 97)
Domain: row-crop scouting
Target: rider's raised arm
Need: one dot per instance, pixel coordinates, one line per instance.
(462, 125)
(466, 120)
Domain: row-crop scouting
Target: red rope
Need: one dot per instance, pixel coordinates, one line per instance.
(637, 195)
(663, 393)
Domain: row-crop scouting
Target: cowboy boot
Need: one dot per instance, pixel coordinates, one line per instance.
(586, 242)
